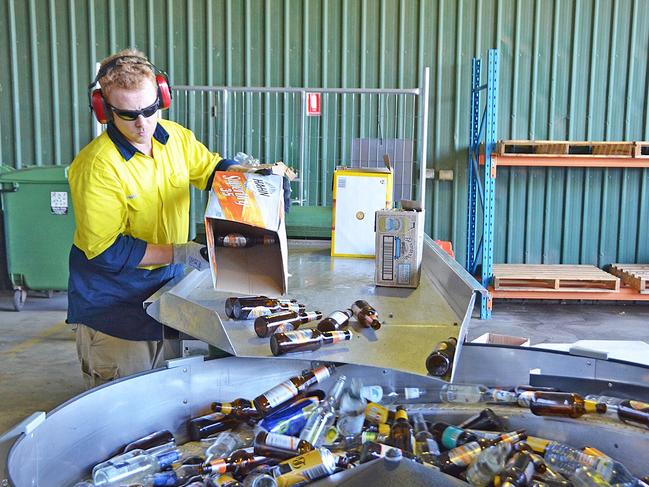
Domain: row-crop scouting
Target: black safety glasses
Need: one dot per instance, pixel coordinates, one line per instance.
(130, 115)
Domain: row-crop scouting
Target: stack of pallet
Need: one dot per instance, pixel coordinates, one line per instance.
(531, 277)
(633, 275)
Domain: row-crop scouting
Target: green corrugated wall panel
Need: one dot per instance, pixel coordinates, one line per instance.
(570, 69)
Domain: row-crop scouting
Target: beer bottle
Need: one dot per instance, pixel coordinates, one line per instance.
(324, 415)
(518, 471)
(245, 309)
(365, 314)
(462, 393)
(226, 480)
(239, 463)
(209, 424)
(240, 408)
(290, 418)
(335, 321)
(158, 438)
(305, 468)
(237, 240)
(376, 413)
(424, 440)
(290, 388)
(261, 477)
(484, 420)
(276, 445)
(487, 464)
(131, 467)
(265, 326)
(305, 340)
(451, 436)
(401, 434)
(230, 302)
(563, 404)
(456, 460)
(440, 361)
(627, 410)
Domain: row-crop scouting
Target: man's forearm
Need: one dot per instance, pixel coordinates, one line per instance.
(157, 254)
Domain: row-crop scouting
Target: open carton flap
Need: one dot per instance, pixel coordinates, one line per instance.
(251, 205)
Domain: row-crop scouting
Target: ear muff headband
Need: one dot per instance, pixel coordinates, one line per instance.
(98, 104)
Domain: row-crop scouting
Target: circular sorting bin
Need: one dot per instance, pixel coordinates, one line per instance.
(63, 447)
(38, 226)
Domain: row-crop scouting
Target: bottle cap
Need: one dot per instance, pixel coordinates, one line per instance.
(401, 414)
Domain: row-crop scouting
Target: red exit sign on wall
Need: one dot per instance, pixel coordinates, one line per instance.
(313, 104)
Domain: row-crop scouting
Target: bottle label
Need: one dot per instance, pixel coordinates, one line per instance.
(258, 311)
(310, 466)
(321, 373)
(281, 393)
(339, 317)
(300, 336)
(338, 336)
(372, 393)
(639, 406)
(286, 327)
(167, 458)
(282, 441)
(525, 399)
(463, 455)
(411, 392)
(234, 240)
(226, 408)
(501, 395)
(376, 413)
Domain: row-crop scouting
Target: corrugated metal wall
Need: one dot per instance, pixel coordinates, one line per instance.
(570, 69)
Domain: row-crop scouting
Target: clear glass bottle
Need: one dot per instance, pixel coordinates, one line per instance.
(424, 441)
(462, 393)
(131, 467)
(223, 445)
(487, 464)
(324, 415)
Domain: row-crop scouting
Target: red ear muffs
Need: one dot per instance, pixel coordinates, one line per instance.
(99, 106)
(164, 92)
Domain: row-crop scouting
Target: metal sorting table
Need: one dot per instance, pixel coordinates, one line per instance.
(413, 320)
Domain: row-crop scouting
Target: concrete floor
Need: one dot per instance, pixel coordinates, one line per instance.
(40, 369)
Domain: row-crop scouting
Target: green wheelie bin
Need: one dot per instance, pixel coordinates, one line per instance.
(38, 226)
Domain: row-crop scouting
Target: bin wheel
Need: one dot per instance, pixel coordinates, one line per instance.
(20, 296)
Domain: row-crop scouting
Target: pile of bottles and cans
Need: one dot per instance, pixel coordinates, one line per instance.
(295, 433)
(280, 318)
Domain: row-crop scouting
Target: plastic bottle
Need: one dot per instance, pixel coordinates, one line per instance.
(131, 467)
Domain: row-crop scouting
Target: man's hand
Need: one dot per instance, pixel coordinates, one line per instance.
(191, 254)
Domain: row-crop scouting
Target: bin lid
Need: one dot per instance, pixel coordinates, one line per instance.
(36, 174)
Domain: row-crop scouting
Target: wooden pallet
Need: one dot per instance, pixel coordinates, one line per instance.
(556, 278)
(633, 275)
(563, 148)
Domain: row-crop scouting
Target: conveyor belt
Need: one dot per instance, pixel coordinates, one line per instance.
(414, 319)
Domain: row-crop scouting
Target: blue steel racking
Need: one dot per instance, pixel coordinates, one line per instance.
(482, 188)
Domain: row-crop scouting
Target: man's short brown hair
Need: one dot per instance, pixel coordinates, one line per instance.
(129, 69)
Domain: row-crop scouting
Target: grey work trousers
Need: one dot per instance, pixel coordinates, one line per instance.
(105, 358)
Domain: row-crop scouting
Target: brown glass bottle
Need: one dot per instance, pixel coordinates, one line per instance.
(248, 309)
(563, 404)
(238, 240)
(305, 340)
(440, 360)
(265, 326)
(276, 445)
(634, 412)
(158, 438)
(484, 420)
(335, 321)
(365, 314)
(230, 303)
(290, 388)
(456, 460)
(239, 463)
(241, 408)
(209, 424)
(401, 434)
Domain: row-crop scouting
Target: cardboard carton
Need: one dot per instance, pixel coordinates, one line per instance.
(496, 339)
(251, 205)
(357, 195)
(399, 247)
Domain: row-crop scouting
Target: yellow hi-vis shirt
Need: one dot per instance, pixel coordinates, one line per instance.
(143, 197)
